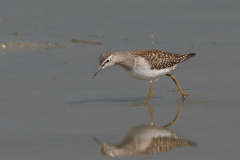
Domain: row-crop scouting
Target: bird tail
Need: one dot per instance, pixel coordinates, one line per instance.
(189, 55)
(183, 57)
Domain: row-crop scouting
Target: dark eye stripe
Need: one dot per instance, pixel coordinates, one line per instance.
(103, 57)
(105, 63)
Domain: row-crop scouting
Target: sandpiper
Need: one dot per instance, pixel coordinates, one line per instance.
(146, 64)
(145, 140)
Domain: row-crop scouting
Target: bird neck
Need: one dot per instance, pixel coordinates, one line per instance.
(124, 59)
(122, 151)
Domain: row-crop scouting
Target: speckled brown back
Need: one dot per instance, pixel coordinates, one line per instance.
(164, 144)
(161, 59)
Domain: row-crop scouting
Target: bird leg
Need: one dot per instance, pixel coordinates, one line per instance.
(175, 119)
(151, 113)
(150, 93)
(174, 79)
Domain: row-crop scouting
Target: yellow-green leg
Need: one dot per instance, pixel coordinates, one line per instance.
(150, 93)
(175, 119)
(174, 79)
(151, 113)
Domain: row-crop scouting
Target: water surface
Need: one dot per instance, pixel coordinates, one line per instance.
(51, 107)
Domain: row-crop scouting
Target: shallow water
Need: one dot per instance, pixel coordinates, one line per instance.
(51, 107)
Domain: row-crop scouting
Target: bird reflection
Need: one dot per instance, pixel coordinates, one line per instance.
(145, 140)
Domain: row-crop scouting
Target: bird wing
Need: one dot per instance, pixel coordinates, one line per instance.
(160, 59)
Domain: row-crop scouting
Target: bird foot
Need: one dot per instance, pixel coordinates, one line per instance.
(184, 95)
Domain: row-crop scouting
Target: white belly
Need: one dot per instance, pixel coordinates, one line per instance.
(142, 70)
(147, 74)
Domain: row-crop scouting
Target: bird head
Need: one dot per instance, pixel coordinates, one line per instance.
(107, 150)
(105, 60)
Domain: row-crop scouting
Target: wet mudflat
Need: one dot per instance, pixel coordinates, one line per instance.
(51, 108)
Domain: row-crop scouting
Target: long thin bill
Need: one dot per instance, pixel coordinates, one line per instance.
(99, 69)
(98, 142)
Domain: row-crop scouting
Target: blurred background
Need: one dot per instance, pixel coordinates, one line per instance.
(51, 107)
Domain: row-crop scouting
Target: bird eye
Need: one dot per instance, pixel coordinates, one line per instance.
(107, 61)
